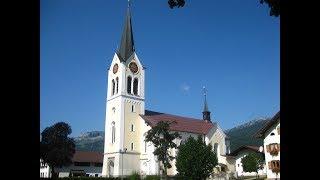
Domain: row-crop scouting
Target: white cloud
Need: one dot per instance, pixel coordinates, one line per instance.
(185, 87)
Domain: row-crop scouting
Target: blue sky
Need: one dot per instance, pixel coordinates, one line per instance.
(232, 47)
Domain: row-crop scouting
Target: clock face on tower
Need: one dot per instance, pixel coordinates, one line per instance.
(133, 67)
(115, 68)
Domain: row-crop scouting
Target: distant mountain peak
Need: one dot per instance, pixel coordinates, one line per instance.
(91, 134)
(90, 141)
(243, 134)
(249, 123)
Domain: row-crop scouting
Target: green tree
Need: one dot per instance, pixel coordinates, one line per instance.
(195, 159)
(176, 3)
(162, 140)
(56, 148)
(252, 162)
(274, 5)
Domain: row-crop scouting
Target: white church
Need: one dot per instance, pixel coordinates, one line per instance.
(127, 120)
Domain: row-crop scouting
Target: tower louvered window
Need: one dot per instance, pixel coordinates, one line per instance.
(117, 80)
(135, 86)
(129, 84)
(113, 86)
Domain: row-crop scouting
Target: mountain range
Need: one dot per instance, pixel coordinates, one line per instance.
(239, 136)
(90, 141)
(244, 134)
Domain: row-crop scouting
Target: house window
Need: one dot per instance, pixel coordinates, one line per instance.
(81, 163)
(131, 146)
(274, 166)
(135, 86)
(273, 149)
(133, 108)
(132, 127)
(129, 85)
(215, 148)
(96, 175)
(272, 134)
(97, 164)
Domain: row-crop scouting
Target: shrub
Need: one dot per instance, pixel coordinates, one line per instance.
(134, 176)
(152, 177)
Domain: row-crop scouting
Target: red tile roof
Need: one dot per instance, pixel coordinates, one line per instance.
(183, 124)
(82, 156)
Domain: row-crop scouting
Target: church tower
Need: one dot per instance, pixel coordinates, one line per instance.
(206, 112)
(124, 103)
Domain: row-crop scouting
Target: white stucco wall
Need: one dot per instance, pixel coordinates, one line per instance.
(270, 140)
(215, 135)
(91, 170)
(44, 170)
(239, 168)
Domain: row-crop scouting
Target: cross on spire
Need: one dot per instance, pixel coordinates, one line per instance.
(205, 99)
(126, 48)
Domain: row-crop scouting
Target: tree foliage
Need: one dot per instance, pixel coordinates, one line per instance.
(195, 159)
(176, 3)
(162, 140)
(56, 148)
(252, 162)
(274, 6)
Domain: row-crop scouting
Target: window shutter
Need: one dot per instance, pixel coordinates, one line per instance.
(269, 165)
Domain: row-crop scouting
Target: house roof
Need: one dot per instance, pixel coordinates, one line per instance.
(260, 133)
(183, 124)
(84, 156)
(252, 148)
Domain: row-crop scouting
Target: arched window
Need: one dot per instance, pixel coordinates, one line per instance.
(117, 80)
(113, 86)
(129, 84)
(135, 86)
(215, 148)
(113, 133)
(145, 146)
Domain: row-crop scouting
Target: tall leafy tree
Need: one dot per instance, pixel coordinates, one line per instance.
(176, 3)
(195, 159)
(252, 162)
(56, 148)
(274, 5)
(162, 139)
